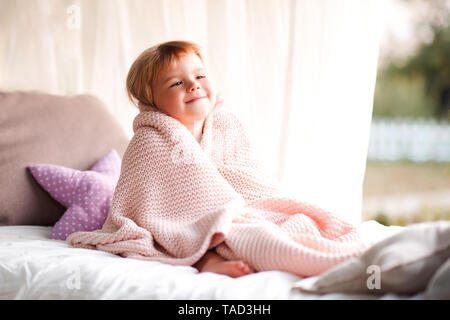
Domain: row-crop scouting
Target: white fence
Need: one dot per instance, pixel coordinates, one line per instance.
(407, 139)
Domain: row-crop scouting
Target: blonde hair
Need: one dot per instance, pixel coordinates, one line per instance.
(148, 66)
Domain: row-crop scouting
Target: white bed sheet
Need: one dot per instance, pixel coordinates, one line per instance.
(32, 266)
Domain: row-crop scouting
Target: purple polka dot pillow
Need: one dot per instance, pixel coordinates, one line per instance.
(87, 195)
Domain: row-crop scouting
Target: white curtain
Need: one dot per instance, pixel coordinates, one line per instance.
(300, 73)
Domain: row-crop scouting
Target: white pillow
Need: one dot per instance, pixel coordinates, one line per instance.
(403, 263)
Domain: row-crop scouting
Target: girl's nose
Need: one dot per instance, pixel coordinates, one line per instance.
(194, 86)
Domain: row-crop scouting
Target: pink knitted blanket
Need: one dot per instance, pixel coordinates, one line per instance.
(176, 198)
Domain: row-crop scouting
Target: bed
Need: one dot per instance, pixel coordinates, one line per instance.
(33, 266)
(405, 263)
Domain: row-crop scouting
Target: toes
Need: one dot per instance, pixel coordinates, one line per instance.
(244, 267)
(233, 269)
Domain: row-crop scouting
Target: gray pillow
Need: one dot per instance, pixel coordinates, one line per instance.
(403, 263)
(74, 132)
(439, 286)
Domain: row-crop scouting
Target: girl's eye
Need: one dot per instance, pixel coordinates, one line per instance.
(176, 84)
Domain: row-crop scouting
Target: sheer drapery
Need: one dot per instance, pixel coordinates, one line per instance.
(300, 74)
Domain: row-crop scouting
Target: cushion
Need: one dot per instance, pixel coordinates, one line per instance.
(87, 195)
(403, 263)
(439, 286)
(74, 131)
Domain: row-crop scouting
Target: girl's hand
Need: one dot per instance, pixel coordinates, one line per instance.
(219, 100)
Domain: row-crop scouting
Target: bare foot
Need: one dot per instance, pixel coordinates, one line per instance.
(230, 268)
(212, 262)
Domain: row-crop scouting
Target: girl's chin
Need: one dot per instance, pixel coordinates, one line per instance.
(199, 109)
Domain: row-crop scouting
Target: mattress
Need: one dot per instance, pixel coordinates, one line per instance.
(33, 266)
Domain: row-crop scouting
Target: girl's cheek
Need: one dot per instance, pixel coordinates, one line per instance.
(171, 95)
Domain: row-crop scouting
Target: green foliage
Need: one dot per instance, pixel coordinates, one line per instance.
(414, 87)
(425, 214)
(399, 96)
(382, 219)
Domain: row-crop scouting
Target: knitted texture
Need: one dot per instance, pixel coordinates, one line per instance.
(177, 198)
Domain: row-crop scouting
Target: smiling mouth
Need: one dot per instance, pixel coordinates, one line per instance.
(195, 99)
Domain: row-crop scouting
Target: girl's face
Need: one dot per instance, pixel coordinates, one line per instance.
(184, 91)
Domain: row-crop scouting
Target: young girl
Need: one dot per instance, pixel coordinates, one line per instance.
(177, 83)
(191, 191)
